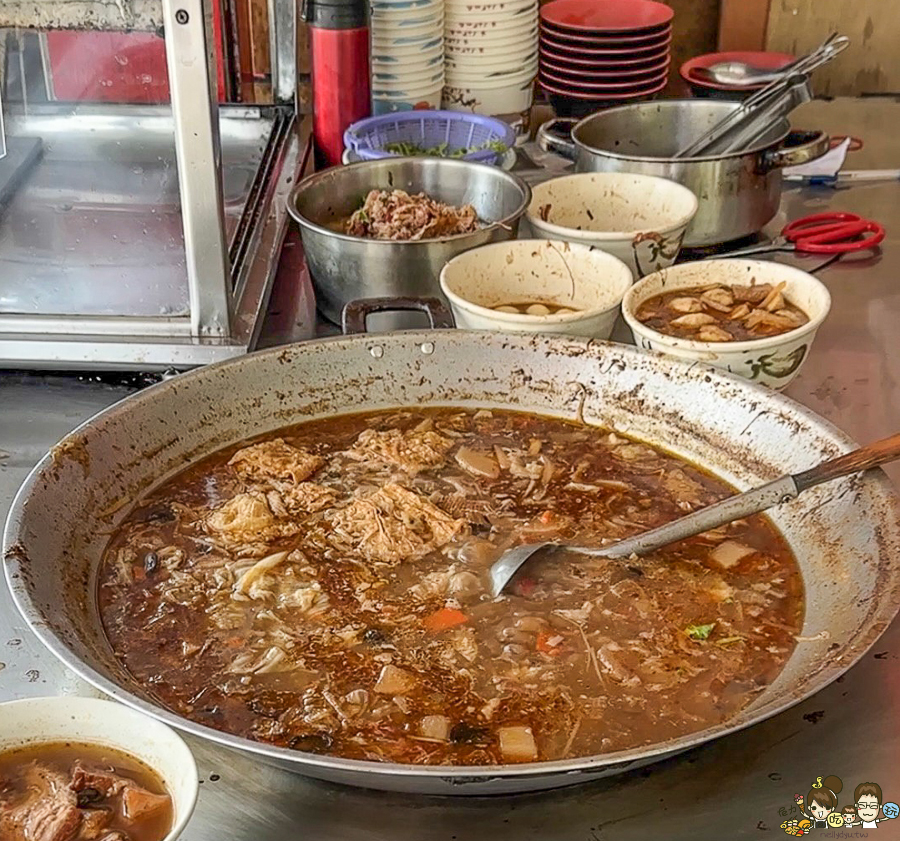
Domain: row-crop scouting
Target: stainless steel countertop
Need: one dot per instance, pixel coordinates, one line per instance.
(732, 788)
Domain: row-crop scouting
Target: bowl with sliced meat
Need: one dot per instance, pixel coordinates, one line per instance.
(753, 318)
(85, 769)
(386, 228)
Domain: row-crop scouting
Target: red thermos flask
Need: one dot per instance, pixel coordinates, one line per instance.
(339, 52)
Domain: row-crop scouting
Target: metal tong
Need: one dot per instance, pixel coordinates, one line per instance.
(754, 117)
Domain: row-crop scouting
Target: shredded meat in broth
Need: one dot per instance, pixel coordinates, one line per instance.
(326, 589)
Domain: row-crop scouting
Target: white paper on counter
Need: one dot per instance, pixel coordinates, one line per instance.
(828, 165)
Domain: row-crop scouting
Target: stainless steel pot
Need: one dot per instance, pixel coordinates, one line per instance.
(845, 534)
(345, 268)
(739, 193)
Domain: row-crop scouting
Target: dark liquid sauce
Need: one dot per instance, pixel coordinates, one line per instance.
(376, 637)
(37, 788)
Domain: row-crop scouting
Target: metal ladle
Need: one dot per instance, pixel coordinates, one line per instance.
(719, 514)
(739, 74)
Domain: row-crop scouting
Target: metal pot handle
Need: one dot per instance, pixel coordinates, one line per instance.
(355, 313)
(556, 136)
(799, 147)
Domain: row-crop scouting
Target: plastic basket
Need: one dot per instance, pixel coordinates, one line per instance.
(451, 130)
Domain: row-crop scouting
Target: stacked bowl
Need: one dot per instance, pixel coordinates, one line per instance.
(594, 54)
(407, 54)
(491, 58)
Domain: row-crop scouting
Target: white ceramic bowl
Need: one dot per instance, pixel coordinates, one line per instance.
(36, 721)
(499, 30)
(483, 66)
(407, 20)
(412, 68)
(392, 36)
(489, 52)
(501, 19)
(509, 98)
(428, 47)
(529, 270)
(640, 219)
(391, 105)
(425, 80)
(485, 11)
(773, 361)
(462, 78)
(494, 42)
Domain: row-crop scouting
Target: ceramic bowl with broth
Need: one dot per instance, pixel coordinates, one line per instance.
(59, 733)
(571, 289)
(773, 360)
(641, 219)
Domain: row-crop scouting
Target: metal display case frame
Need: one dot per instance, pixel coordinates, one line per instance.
(229, 273)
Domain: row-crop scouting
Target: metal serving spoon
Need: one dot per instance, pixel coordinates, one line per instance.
(719, 514)
(739, 73)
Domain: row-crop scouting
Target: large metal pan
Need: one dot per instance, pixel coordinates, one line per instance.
(845, 534)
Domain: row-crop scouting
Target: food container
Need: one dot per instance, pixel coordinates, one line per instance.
(92, 721)
(739, 193)
(845, 535)
(535, 270)
(773, 361)
(640, 219)
(504, 98)
(345, 268)
(394, 104)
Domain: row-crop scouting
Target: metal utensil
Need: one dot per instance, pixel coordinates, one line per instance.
(746, 132)
(740, 74)
(765, 97)
(721, 513)
(821, 233)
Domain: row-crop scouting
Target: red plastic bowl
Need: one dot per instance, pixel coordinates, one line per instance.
(628, 52)
(608, 15)
(605, 39)
(604, 74)
(600, 87)
(763, 60)
(598, 96)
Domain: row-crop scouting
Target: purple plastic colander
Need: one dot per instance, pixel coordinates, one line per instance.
(428, 129)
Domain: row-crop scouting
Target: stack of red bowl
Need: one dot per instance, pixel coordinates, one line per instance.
(598, 53)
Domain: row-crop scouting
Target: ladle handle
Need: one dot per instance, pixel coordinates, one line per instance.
(872, 455)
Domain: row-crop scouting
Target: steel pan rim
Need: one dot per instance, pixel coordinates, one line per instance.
(467, 779)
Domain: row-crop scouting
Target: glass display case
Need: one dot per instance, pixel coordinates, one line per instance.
(141, 212)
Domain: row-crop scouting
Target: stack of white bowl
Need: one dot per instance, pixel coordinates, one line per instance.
(407, 54)
(491, 56)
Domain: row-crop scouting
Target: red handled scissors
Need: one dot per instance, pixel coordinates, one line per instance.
(822, 233)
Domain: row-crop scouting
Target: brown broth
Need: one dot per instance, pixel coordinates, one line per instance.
(722, 313)
(592, 655)
(44, 774)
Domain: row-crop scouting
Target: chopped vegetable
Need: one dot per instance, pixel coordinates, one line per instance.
(446, 617)
(550, 643)
(729, 640)
(394, 681)
(435, 727)
(442, 150)
(700, 632)
(479, 464)
(517, 744)
(730, 553)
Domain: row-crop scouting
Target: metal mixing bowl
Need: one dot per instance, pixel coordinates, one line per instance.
(345, 268)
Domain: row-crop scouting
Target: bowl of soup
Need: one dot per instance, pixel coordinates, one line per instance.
(80, 769)
(753, 318)
(536, 286)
